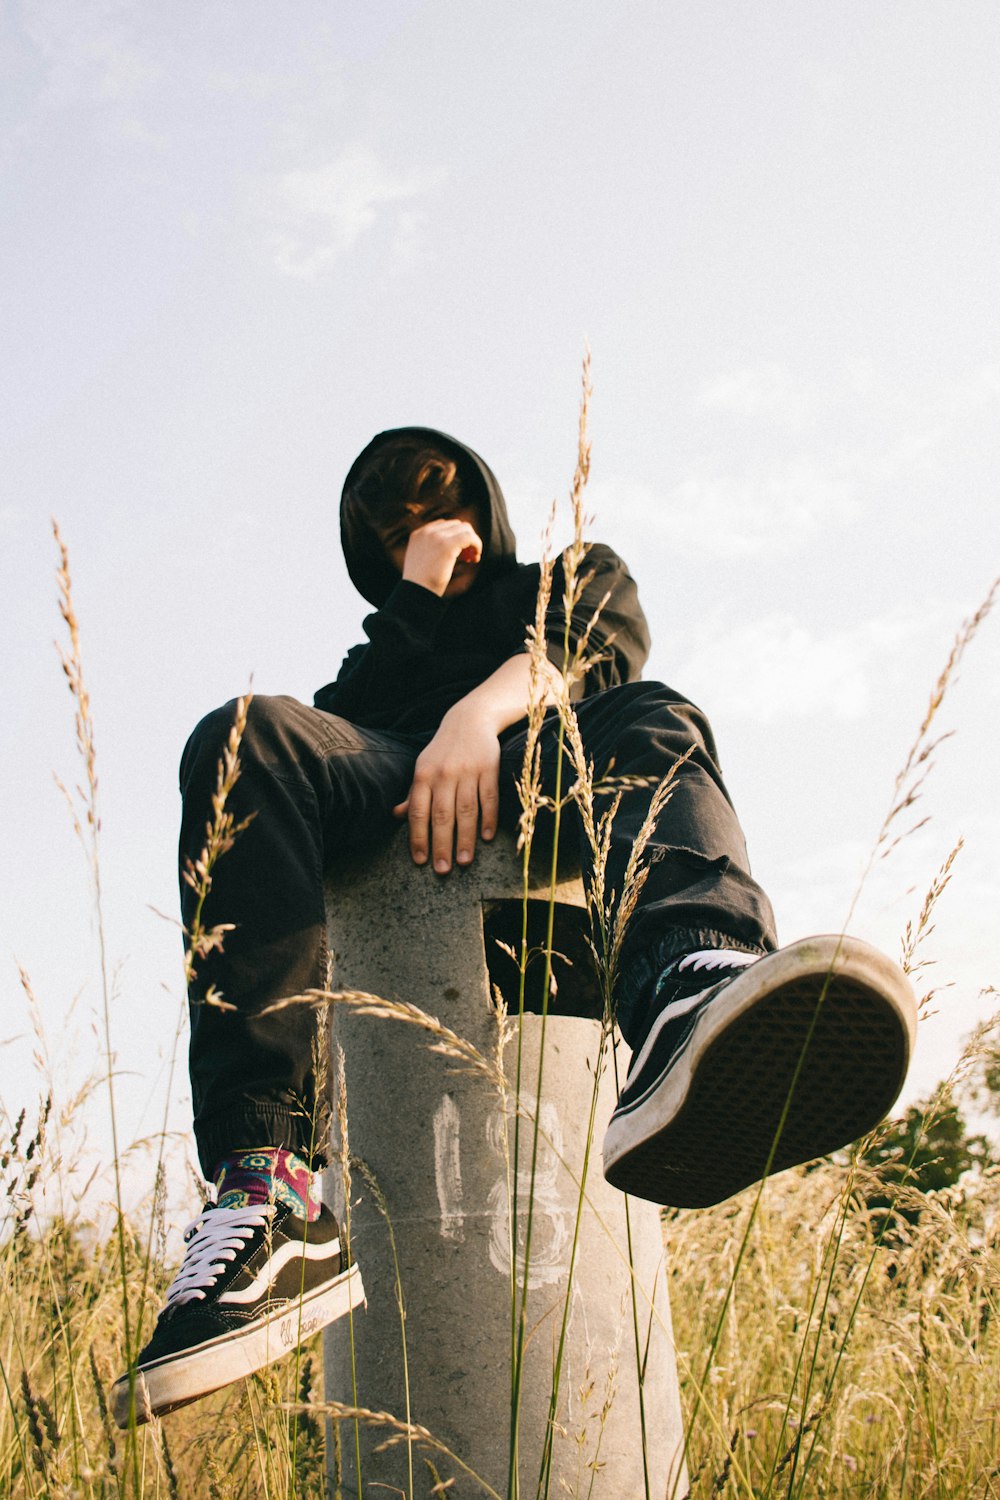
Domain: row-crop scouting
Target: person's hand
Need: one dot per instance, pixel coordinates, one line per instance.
(454, 789)
(433, 550)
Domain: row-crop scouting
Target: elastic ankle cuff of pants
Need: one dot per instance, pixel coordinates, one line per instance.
(258, 1123)
(636, 980)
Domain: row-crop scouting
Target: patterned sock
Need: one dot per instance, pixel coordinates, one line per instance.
(266, 1174)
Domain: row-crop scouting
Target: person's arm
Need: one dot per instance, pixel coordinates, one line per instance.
(401, 636)
(618, 643)
(455, 788)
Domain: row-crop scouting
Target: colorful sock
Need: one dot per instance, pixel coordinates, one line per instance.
(266, 1174)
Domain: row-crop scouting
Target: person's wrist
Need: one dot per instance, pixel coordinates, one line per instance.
(476, 713)
(433, 584)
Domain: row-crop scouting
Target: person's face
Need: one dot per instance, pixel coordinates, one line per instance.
(395, 539)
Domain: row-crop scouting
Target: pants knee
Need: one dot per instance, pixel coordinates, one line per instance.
(258, 726)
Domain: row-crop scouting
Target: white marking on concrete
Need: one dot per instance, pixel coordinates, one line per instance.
(551, 1219)
(448, 1170)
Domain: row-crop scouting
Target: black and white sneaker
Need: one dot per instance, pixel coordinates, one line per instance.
(256, 1281)
(751, 1065)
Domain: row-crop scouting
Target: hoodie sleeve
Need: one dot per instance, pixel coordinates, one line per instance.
(401, 636)
(619, 637)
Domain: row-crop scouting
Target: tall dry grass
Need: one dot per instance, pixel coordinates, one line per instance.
(820, 1356)
(847, 1366)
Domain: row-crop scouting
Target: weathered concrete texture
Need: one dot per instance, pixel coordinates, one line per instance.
(434, 1140)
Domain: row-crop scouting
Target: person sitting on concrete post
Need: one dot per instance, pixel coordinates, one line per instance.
(746, 1058)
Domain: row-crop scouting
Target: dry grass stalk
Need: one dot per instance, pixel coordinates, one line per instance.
(949, 1255)
(540, 684)
(401, 1432)
(220, 834)
(446, 1042)
(636, 871)
(72, 664)
(910, 781)
(343, 1150)
(25, 1160)
(71, 661)
(916, 933)
(978, 1049)
(531, 802)
(342, 1155)
(383, 1207)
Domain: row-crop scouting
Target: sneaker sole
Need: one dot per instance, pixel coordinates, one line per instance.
(707, 1131)
(177, 1379)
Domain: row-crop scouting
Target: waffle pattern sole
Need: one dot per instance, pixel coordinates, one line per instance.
(187, 1376)
(837, 1006)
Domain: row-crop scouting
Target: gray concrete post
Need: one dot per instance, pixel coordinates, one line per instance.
(433, 1139)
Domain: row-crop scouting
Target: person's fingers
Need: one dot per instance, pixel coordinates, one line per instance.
(466, 819)
(433, 550)
(442, 824)
(472, 544)
(489, 802)
(401, 809)
(418, 811)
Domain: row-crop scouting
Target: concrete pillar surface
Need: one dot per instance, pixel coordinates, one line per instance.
(437, 1141)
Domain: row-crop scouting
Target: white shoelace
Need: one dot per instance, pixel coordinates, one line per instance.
(717, 958)
(709, 960)
(213, 1241)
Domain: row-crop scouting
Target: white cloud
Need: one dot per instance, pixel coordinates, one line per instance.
(979, 388)
(931, 398)
(730, 515)
(256, 84)
(774, 668)
(764, 390)
(321, 212)
(90, 52)
(411, 239)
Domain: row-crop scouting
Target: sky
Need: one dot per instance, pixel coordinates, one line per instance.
(240, 238)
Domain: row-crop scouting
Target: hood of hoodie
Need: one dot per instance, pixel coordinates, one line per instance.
(370, 570)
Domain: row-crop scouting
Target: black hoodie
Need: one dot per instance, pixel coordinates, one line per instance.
(424, 653)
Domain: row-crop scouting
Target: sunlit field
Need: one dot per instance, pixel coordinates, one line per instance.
(836, 1331)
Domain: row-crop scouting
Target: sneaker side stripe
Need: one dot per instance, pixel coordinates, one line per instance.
(268, 1273)
(670, 1012)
